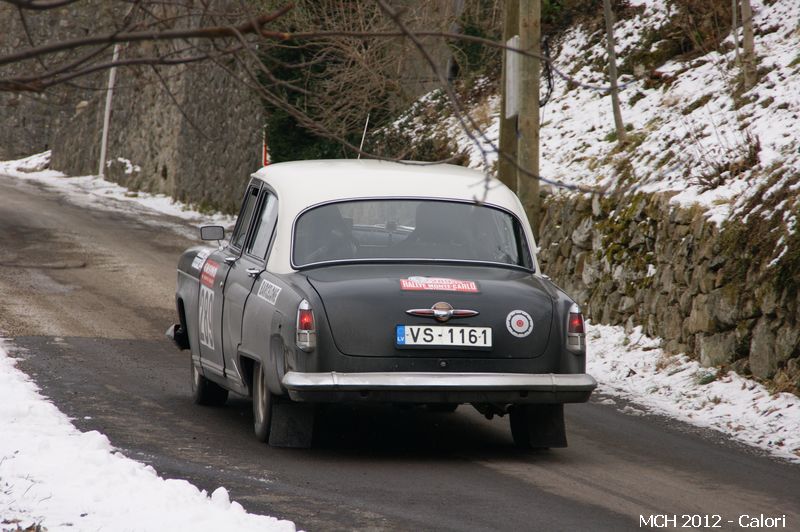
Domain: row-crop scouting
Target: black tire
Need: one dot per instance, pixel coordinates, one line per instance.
(538, 426)
(205, 392)
(263, 401)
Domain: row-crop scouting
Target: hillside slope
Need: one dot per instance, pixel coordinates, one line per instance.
(692, 130)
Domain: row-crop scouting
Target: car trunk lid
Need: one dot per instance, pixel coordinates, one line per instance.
(364, 304)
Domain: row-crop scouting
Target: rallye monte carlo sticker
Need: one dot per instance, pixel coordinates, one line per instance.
(519, 323)
(439, 284)
(205, 316)
(201, 257)
(269, 292)
(209, 273)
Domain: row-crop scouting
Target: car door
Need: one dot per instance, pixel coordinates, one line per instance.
(213, 281)
(242, 276)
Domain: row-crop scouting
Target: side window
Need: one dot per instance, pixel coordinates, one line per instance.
(243, 223)
(266, 223)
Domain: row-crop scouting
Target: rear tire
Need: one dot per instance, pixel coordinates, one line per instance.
(205, 392)
(538, 426)
(263, 401)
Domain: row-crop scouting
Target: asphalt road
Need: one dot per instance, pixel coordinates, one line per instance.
(86, 294)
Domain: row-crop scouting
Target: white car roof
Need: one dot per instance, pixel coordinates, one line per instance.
(301, 184)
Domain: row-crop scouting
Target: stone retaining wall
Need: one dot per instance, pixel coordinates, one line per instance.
(700, 287)
(198, 139)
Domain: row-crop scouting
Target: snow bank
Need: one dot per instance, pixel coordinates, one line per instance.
(54, 475)
(634, 367)
(96, 191)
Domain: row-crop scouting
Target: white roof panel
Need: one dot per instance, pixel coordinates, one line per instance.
(301, 184)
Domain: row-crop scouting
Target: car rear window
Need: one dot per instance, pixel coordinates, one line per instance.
(376, 230)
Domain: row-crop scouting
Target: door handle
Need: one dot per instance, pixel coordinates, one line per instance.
(229, 260)
(253, 272)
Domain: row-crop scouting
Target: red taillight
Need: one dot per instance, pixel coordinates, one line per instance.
(306, 333)
(305, 320)
(575, 323)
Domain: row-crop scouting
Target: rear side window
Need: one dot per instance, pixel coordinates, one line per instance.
(391, 229)
(268, 214)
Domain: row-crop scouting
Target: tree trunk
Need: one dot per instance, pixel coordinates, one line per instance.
(612, 71)
(506, 168)
(748, 46)
(528, 142)
(735, 31)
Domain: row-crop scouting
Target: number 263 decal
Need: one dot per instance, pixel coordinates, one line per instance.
(205, 317)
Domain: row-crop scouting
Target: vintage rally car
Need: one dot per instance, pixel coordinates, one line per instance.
(364, 281)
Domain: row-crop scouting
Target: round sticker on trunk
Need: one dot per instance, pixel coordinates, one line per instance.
(519, 323)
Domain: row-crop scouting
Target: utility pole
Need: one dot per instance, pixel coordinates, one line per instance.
(506, 167)
(112, 76)
(530, 16)
(612, 71)
(748, 46)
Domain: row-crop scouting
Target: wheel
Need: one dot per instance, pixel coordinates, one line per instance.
(263, 401)
(205, 392)
(538, 426)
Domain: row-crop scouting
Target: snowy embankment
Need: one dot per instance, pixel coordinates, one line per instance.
(691, 130)
(96, 192)
(53, 475)
(632, 366)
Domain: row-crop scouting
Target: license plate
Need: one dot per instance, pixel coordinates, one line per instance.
(442, 335)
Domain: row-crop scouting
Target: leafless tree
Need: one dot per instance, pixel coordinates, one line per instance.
(167, 34)
(735, 30)
(612, 71)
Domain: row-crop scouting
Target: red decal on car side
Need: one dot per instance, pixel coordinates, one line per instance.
(209, 273)
(439, 284)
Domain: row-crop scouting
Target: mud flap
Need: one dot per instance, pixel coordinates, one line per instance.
(292, 424)
(538, 426)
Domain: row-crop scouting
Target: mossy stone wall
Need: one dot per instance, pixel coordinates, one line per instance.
(710, 291)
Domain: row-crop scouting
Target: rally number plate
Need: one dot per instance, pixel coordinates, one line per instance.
(442, 336)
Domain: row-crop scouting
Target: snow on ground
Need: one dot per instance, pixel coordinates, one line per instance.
(686, 131)
(99, 193)
(632, 366)
(63, 479)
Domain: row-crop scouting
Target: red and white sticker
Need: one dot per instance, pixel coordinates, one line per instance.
(439, 284)
(209, 273)
(519, 323)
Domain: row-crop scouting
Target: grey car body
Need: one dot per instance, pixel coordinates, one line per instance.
(295, 318)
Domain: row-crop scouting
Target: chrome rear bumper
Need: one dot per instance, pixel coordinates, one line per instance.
(440, 387)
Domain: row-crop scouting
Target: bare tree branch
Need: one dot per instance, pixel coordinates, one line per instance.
(217, 32)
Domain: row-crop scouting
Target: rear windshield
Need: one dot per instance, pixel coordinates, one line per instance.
(375, 230)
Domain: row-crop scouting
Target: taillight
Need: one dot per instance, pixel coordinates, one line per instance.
(575, 323)
(576, 331)
(306, 331)
(305, 319)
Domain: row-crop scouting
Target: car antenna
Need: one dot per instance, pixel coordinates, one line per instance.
(363, 136)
